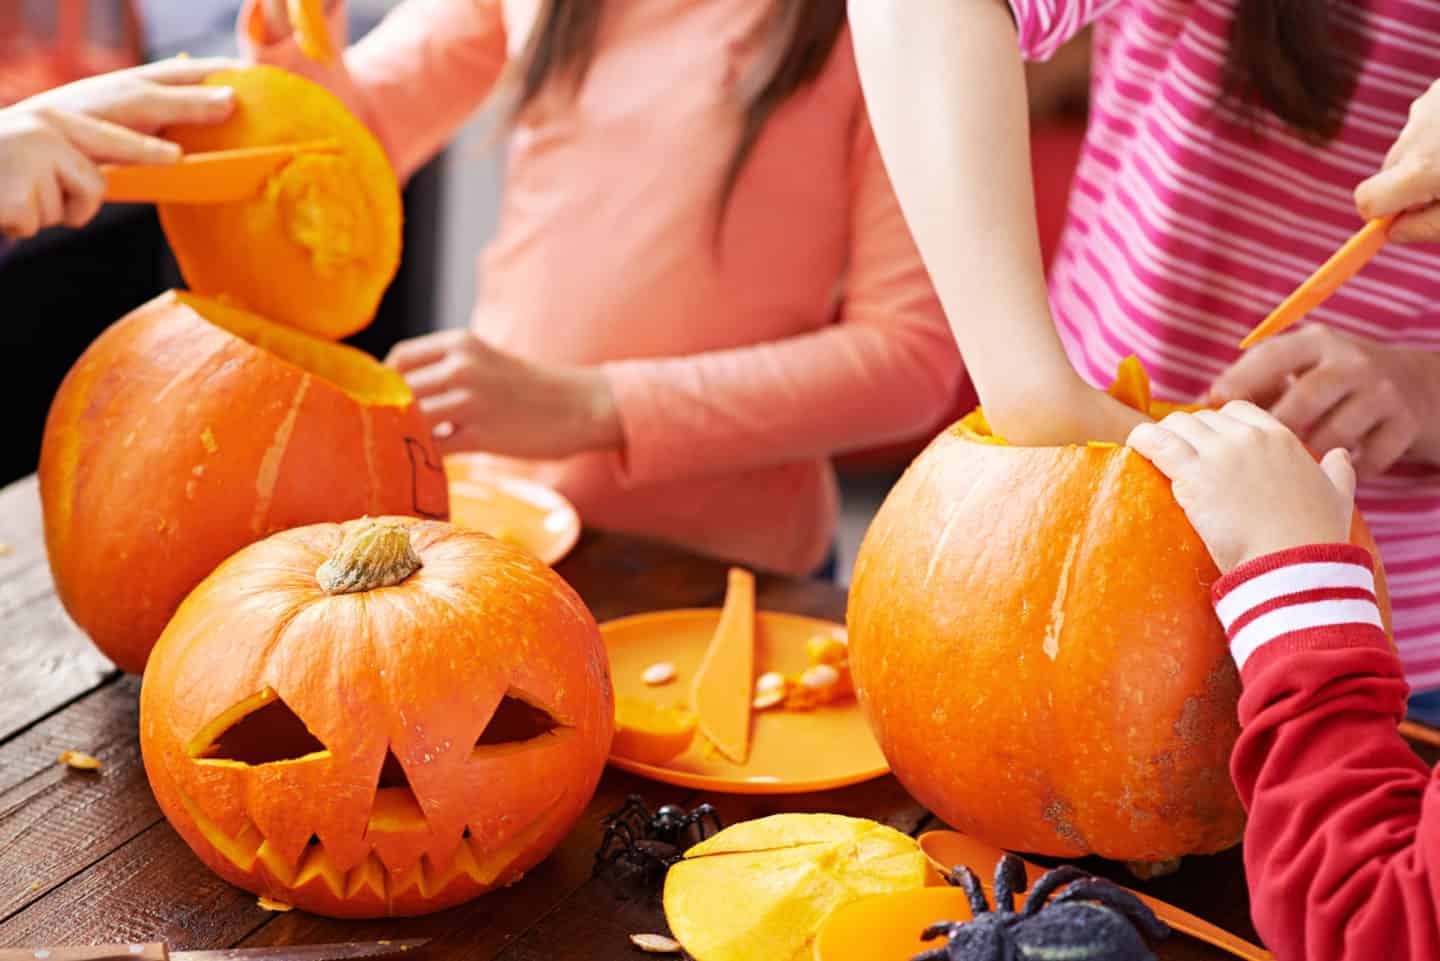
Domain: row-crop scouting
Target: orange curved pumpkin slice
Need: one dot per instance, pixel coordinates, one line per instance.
(312, 32)
(762, 889)
(721, 691)
(649, 733)
(1132, 385)
(317, 246)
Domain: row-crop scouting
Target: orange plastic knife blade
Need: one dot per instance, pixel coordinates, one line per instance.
(221, 177)
(947, 849)
(1344, 264)
(724, 684)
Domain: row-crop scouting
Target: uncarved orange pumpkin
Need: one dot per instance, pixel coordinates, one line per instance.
(189, 429)
(316, 248)
(1032, 638)
(388, 716)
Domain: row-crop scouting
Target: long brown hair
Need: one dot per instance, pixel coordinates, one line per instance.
(1284, 56)
(801, 35)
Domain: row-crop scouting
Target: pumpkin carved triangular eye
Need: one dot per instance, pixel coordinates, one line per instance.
(514, 721)
(260, 730)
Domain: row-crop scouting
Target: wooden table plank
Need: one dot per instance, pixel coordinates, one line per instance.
(45, 660)
(55, 821)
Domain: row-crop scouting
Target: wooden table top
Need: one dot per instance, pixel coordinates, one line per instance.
(88, 858)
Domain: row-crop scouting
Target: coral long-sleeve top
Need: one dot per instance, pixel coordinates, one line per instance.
(739, 366)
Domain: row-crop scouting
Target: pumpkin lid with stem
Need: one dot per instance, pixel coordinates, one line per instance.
(316, 248)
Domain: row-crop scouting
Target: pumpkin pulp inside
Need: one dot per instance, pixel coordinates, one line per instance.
(353, 371)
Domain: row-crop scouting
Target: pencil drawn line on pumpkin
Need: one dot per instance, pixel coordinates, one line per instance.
(412, 446)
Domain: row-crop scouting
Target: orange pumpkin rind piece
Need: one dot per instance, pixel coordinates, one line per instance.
(649, 733)
(720, 693)
(316, 248)
(763, 888)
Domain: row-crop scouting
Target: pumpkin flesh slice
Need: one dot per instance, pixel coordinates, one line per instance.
(650, 733)
(763, 888)
(721, 691)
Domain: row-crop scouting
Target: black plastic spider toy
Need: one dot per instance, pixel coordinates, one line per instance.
(1090, 919)
(648, 843)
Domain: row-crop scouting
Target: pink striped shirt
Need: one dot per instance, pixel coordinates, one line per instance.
(1185, 230)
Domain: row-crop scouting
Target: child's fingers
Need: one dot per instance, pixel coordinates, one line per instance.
(420, 351)
(1341, 472)
(452, 406)
(157, 106)
(1404, 185)
(1350, 420)
(1312, 396)
(105, 142)
(184, 70)
(1260, 373)
(1221, 423)
(84, 188)
(1417, 226)
(1165, 449)
(1384, 445)
(1247, 413)
(1192, 429)
(19, 216)
(49, 201)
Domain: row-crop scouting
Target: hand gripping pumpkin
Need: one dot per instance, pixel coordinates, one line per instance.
(1032, 639)
(385, 717)
(192, 427)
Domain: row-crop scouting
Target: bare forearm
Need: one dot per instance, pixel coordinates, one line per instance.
(945, 87)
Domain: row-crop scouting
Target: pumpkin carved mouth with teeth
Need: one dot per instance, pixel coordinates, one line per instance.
(419, 731)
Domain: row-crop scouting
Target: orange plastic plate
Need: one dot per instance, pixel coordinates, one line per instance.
(529, 515)
(886, 927)
(790, 751)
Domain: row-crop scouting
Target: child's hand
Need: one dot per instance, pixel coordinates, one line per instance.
(51, 145)
(477, 398)
(1247, 484)
(1410, 177)
(1336, 390)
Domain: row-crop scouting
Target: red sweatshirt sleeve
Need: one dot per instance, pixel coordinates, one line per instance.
(1342, 849)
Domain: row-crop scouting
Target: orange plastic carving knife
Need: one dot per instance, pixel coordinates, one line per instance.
(721, 692)
(220, 177)
(947, 849)
(1344, 264)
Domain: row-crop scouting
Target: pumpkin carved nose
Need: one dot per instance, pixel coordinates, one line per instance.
(396, 809)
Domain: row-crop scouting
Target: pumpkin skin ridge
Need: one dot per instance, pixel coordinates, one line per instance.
(142, 497)
(928, 576)
(342, 785)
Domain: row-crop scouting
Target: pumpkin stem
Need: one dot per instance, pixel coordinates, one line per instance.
(375, 554)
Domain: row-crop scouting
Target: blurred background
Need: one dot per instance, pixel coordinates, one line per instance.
(60, 289)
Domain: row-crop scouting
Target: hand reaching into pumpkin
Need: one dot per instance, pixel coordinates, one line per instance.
(51, 145)
(479, 398)
(1335, 390)
(1247, 484)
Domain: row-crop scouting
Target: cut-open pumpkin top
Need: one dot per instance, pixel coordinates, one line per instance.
(1131, 387)
(355, 372)
(316, 248)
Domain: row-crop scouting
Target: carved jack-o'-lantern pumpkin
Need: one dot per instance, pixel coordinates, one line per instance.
(381, 717)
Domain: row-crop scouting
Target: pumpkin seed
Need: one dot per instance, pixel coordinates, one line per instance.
(79, 761)
(655, 943)
(657, 674)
